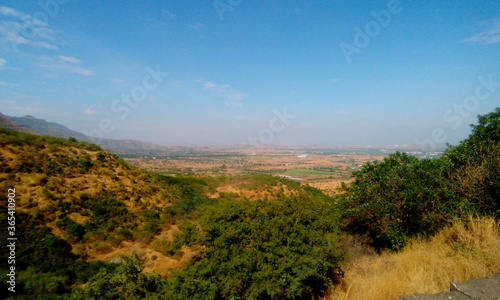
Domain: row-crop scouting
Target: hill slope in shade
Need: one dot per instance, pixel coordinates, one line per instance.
(40, 126)
(7, 123)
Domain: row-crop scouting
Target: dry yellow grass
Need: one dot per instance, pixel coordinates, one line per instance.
(457, 253)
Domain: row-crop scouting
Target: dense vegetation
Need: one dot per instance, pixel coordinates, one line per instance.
(401, 197)
(76, 202)
(262, 250)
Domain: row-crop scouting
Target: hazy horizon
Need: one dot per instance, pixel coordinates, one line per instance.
(235, 72)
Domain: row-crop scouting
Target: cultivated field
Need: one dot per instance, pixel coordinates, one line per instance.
(323, 168)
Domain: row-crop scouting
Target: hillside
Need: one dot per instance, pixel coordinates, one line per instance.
(86, 196)
(96, 207)
(128, 146)
(40, 126)
(7, 123)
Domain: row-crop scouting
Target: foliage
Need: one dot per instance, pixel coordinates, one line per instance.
(402, 197)
(106, 213)
(125, 281)
(397, 199)
(474, 165)
(74, 230)
(263, 249)
(46, 266)
(188, 192)
(12, 137)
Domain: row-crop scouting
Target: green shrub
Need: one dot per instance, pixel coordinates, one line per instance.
(402, 197)
(260, 250)
(397, 199)
(123, 282)
(474, 165)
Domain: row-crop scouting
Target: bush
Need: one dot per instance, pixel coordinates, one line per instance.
(402, 197)
(261, 250)
(474, 165)
(397, 199)
(125, 281)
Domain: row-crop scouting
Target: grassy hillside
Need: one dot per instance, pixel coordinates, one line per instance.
(84, 204)
(93, 206)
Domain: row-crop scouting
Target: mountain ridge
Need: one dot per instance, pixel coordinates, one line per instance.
(29, 123)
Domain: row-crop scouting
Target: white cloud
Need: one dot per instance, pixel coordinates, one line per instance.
(3, 83)
(209, 85)
(67, 64)
(51, 76)
(89, 111)
(44, 45)
(78, 70)
(18, 28)
(69, 59)
(115, 79)
(490, 33)
(234, 97)
(10, 12)
(10, 32)
(3, 63)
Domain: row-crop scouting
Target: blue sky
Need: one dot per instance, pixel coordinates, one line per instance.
(227, 70)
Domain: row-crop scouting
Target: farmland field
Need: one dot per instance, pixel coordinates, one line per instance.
(324, 168)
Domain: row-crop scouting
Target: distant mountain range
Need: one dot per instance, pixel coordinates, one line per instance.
(40, 126)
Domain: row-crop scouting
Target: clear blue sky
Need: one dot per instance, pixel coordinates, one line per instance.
(232, 65)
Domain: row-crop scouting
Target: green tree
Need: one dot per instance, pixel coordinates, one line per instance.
(283, 249)
(397, 199)
(126, 281)
(474, 165)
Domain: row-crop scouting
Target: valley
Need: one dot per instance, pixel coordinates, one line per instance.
(181, 222)
(321, 167)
